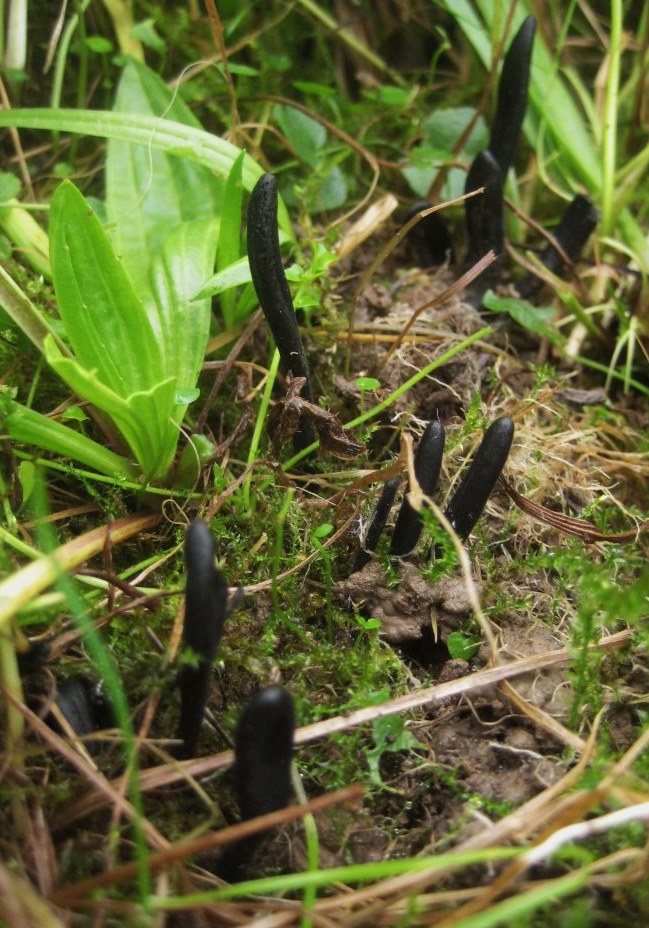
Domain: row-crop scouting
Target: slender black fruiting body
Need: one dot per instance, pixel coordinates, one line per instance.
(206, 606)
(484, 219)
(512, 96)
(430, 238)
(263, 752)
(470, 498)
(575, 228)
(427, 466)
(484, 213)
(272, 291)
(377, 523)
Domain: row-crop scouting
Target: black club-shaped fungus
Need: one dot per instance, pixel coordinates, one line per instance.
(274, 296)
(427, 466)
(262, 768)
(206, 606)
(470, 498)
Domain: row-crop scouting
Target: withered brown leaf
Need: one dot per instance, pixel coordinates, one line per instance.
(284, 421)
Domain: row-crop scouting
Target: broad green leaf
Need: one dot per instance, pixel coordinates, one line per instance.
(144, 418)
(229, 246)
(150, 192)
(9, 186)
(183, 323)
(233, 276)
(27, 477)
(331, 192)
(462, 647)
(533, 318)
(443, 128)
(32, 428)
(105, 322)
(304, 134)
(151, 132)
(147, 34)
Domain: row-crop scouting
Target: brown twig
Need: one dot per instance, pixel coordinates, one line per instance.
(69, 895)
(579, 528)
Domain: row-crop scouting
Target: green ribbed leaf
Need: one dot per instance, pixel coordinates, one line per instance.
(148, 190)
(144, 418)
(183, 323)
(105, 322)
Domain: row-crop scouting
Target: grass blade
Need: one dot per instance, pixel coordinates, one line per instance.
(150, 131)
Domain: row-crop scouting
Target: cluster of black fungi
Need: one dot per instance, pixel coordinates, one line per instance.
(264, 735)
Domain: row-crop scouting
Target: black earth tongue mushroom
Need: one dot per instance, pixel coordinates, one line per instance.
(430, 238)
(74, 702)
(263, 753)
(512, 96)
(484, 220)
(470, 498)
(85, 707)
(575, 228)
(427, 466)
(206, 607)
(274, 296)
(377, 523)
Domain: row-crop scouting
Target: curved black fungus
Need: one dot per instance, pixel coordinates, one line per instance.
(427, 465)
(206, 607)
(86, 709)
(430, 238)
(377, 523)
(484, 219)
(470, 498)
(575, 228)
(75, 702)
(512, 96)
(263, 753)
(272, 291)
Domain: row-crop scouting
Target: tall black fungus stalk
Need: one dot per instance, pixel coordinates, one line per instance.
(206, 602)
(427, 466)
(512, 96)
(485, 224)
(272, 291)
(263, 755)
(470, 498)
(575, 228)
(484, 213)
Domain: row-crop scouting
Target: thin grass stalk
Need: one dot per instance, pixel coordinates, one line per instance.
(375, 411)
(259, 425)
(609, 135)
